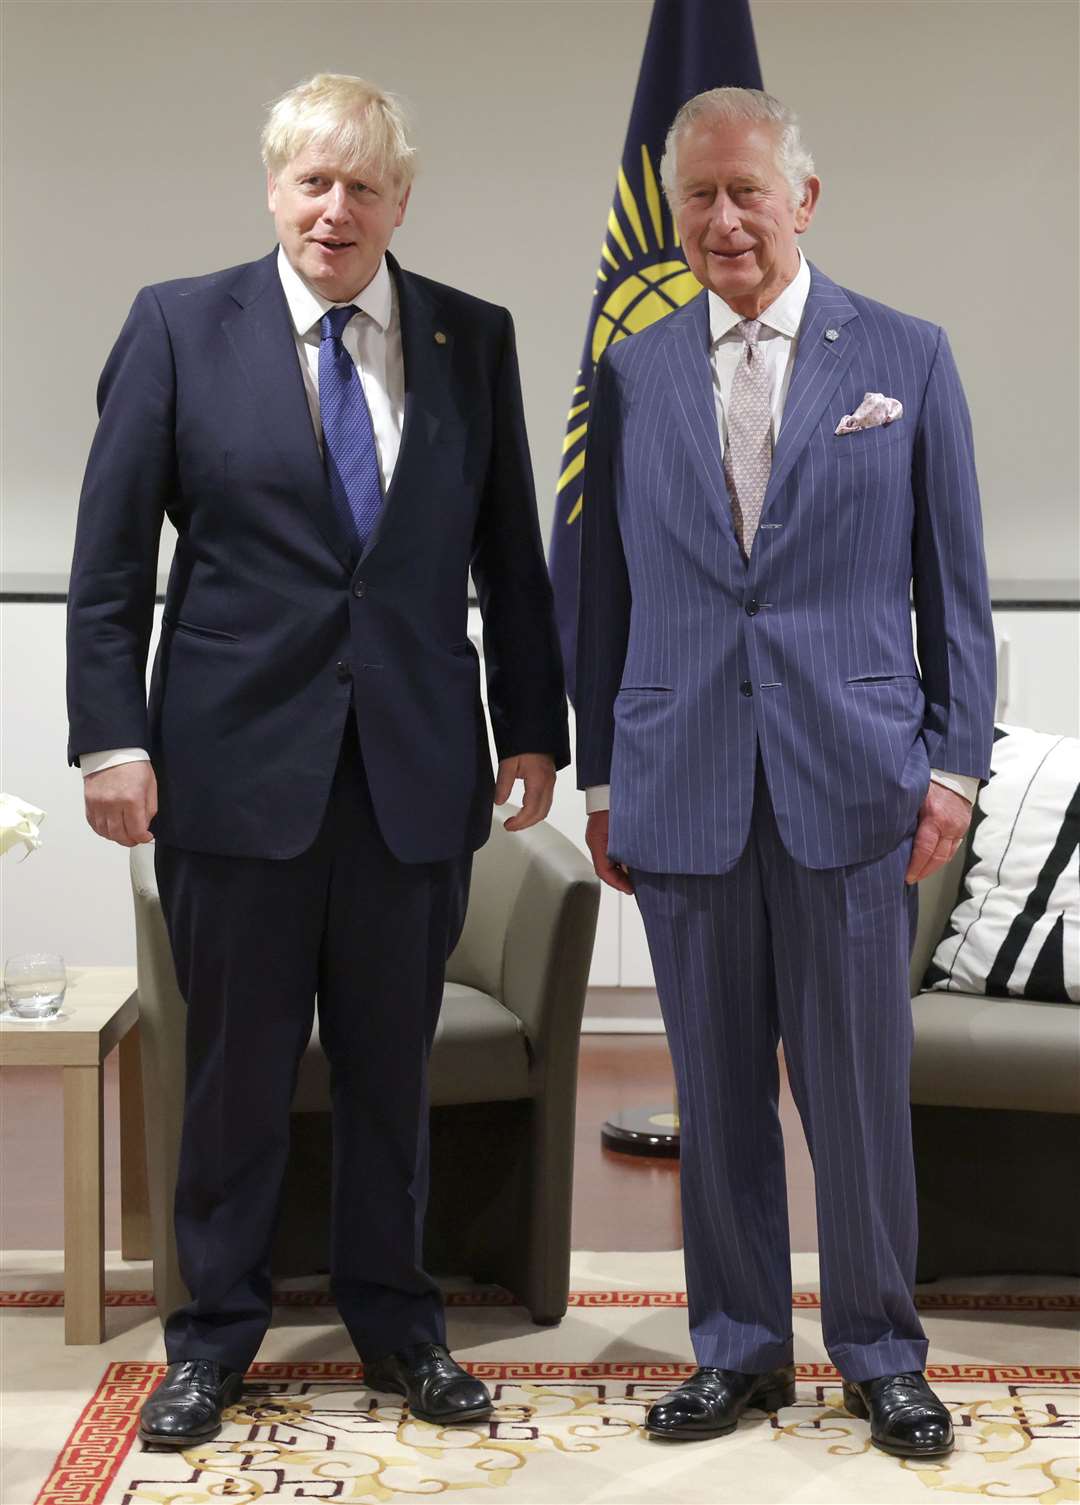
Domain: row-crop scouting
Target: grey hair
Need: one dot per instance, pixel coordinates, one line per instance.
(357, 120)
(755, 107)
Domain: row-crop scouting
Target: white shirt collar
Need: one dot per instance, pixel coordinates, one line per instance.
(783, 315)
(306, 306)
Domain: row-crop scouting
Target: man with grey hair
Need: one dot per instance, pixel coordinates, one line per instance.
(337, 442)
(770, 471)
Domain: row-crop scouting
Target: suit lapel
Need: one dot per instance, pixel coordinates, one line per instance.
(427, 352)
(260, 332)
(825, 350)
(694, 403)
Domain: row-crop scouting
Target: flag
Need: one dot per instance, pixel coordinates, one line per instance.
(692, 45)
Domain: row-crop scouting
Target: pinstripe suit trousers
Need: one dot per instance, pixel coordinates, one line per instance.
(773, 950)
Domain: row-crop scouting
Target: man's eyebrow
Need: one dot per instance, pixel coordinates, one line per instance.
(324, 170)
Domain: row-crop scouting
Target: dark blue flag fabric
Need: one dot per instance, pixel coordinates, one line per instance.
(692, 45)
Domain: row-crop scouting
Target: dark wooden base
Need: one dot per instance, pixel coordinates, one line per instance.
(643, 1131)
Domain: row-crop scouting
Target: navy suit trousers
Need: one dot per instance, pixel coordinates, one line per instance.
(819, 958)
(255, 941)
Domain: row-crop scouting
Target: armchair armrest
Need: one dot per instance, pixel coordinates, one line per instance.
(529, 934)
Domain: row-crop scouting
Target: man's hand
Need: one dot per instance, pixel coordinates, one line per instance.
(596, 837)
(537, 772)
(121, 802)
(944, 817)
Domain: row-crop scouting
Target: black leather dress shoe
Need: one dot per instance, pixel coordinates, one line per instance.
(436, 1388)
(186, 1407)
(711, 1401)
(906, 1418)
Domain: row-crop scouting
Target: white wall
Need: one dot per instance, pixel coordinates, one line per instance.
(945, 134)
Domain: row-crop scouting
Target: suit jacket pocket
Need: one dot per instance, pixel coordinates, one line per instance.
(645, 690)
(879, 679)
(881, 434)
(196, 630)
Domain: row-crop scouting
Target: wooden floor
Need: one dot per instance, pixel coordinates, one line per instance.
(620, 1201)
(631, 1202)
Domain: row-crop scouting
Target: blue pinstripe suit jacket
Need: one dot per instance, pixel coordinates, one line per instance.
(689, 660)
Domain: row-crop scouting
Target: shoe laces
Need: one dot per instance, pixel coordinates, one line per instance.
(204, 1374)
(419, 1353)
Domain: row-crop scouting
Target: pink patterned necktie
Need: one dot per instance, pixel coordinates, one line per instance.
(748, 456)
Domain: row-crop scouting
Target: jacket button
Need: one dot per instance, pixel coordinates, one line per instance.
(746, 687)
(752, 608)
(344, 673)
(358, 589)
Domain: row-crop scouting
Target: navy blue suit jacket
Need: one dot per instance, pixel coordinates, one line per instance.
(272, 624)
(690, 660)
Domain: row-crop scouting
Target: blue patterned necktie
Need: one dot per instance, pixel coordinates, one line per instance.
(352, 461)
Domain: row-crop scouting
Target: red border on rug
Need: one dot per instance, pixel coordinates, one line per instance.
(495, 1296)
(90, 1459)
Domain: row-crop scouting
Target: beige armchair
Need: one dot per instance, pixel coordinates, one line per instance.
(995, 1099)
(503, 1081)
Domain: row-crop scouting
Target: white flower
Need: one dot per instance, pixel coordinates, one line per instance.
(19, 822)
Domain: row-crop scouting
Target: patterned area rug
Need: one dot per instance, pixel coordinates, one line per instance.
(570, 1401)
(561, 1433)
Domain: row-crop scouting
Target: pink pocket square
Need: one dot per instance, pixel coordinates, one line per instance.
(875, 411)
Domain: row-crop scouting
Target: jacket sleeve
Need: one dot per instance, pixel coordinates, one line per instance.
(954, 630)
(526, 691)
(130, 480)
(604, 590)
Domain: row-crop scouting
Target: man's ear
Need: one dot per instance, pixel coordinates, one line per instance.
(402, 206)
(804, 212)
(271, 191)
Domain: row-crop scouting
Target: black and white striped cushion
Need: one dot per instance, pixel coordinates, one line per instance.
(1015, 930)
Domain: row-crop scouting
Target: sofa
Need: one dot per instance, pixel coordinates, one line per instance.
(995, 1108)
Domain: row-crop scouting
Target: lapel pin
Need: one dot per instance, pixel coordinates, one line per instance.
(440, 338)
(830, 334)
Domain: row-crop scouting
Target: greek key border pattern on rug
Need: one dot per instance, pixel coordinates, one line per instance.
(495, 1296)
(99, 1441)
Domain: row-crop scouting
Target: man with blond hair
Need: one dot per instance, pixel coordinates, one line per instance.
(337, 442)
(770, 471)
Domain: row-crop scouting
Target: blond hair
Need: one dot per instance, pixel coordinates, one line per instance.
(358, 122)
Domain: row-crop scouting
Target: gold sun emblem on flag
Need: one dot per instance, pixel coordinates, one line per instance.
(639, 280)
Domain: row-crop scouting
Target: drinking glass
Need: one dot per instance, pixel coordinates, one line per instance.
(35, 985)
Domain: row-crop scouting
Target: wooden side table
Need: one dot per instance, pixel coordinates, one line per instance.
(101, 1011)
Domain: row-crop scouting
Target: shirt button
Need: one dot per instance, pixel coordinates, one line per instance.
(358, 589)
(746, 687)
(344, 673)
(752, 608)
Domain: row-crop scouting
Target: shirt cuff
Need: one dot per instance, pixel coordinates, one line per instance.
(597, 797)
(112, 757)
(963, 784)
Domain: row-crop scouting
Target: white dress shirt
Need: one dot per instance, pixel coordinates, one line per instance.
(373, 339)
(779, 340)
